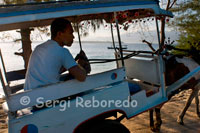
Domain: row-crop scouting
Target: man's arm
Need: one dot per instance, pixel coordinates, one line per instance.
(78, 73)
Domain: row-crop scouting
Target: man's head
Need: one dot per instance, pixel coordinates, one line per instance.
(62, 32)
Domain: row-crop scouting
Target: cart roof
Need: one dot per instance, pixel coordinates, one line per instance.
(41, 14)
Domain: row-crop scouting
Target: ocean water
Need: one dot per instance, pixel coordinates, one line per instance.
(93, 50)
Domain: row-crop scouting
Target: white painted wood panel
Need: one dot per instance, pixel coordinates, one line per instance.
(145, 70)
(64, 89)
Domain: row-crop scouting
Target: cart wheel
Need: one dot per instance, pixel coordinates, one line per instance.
(108, 126)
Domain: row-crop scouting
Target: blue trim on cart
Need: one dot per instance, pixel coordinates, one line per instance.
(47, 10)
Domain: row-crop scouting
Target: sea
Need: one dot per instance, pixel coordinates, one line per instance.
(93, 50)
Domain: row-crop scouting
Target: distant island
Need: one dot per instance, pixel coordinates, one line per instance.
(96, 42)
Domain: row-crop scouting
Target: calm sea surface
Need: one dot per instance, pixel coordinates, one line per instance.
(93, 50)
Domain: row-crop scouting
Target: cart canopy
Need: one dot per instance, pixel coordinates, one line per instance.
(19, 16)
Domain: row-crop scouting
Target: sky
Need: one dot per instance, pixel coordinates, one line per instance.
(130, 36)
(134, 34)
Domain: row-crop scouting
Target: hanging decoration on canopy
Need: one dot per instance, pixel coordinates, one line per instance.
(136, 19)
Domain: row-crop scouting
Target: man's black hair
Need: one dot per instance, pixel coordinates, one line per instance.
(59, 25)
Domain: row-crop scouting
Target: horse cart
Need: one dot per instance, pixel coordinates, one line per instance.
(86, 106)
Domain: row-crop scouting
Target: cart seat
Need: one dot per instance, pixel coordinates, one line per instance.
(15, 75)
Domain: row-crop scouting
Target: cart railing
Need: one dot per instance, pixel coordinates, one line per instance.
(64, 89)
(182, 81)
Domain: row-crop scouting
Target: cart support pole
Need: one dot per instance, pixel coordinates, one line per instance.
(2, 78)
(2, 61)
(113, 40)
(162, 74)
(119, 39)
(79, 38)
(4, 85)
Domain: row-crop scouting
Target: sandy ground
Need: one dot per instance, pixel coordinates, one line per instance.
(3, 116)
(140, 123)
(169, 113)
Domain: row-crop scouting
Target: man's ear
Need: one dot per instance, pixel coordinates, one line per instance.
(59, 33)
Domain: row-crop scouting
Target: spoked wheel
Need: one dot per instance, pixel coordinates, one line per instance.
(108, 126)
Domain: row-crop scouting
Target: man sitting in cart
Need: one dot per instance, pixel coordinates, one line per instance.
(50, 57)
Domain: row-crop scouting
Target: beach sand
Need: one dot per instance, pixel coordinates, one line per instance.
(140, 123)
(3, 116)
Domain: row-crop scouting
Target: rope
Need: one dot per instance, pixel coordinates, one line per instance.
(134, 53)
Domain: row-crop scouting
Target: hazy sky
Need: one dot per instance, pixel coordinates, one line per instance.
(135, 34)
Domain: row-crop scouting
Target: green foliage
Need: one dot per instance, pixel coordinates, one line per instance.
(187, 19)
(86, 25)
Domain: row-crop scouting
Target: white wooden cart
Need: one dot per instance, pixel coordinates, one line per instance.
(115, 90)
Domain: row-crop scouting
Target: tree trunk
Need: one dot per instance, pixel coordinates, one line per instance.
(162, 32)
(26, 45)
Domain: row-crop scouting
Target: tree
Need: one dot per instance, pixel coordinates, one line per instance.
(169, 4)
(26, 45)
(25, 33)
(187, 21)
(25, 36)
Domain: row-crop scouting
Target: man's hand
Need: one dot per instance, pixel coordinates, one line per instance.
(85, 64)
(62, 70)
(83, 61)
